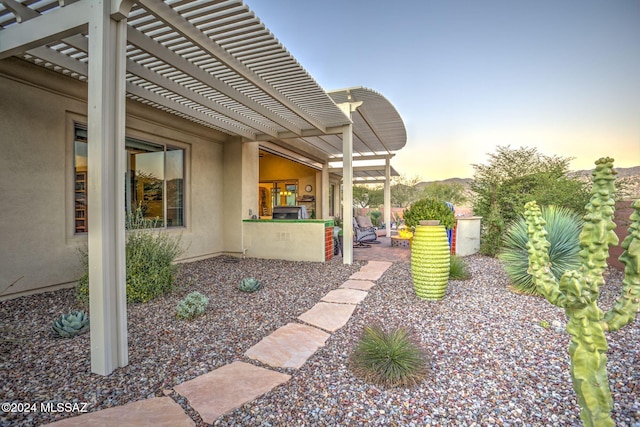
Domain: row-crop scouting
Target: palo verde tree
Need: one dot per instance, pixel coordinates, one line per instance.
(577, 291)
(451, 192)
(516, 176)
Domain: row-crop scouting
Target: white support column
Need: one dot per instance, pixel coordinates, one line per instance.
(324, 192)
(347, 196)
(106, 168)
(387, 196)
(347, 182)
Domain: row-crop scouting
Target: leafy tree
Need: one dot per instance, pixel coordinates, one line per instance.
(376, 197)
(514, 177)
(448, 192)
(367, 197)
(360, 196)
(404, 191)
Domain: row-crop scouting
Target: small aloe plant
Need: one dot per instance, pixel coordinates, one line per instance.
(249, 284)
(71, 324)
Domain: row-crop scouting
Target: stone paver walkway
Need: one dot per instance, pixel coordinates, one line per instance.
(289, 346)
(328, 316)
(159, 411)
(229, 387)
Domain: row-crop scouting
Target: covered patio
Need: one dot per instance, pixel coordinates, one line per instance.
(206, 74)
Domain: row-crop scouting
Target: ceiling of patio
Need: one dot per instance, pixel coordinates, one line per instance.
(212, 62)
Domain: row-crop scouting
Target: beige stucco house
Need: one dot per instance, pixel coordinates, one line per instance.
(193, 112)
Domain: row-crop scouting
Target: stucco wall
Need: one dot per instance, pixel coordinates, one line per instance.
(38, 247)
(293, 241)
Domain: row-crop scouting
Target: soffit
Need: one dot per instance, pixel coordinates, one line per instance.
(209, 61)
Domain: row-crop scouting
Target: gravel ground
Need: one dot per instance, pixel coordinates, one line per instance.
(492, 362)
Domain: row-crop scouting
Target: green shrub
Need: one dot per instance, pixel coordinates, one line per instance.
(389, 358)
(150, 268)
(192, 305)
(376, 218)
(563, 228)
(492, 229)
(429, 209)
(150, 256)
(458, 268)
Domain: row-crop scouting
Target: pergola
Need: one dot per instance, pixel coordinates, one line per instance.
(209, 61)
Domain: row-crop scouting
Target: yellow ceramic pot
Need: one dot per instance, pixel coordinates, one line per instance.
(430, 258)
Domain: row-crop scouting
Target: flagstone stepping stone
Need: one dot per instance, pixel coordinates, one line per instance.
(345, 296)
(157, 412)
(372, 271)
(227, 388)
(363, 285)
(328, 316)
(289, 346)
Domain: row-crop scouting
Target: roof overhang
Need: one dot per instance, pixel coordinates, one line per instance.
(378, 129)
(209, 61)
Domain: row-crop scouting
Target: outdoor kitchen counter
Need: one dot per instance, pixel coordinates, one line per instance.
(289, 239)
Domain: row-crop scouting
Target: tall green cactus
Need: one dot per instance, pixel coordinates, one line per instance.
(577, 291)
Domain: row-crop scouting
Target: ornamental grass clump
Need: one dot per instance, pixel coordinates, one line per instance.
(458, 268)
(563, 227)
(192, 306)
(389, 358)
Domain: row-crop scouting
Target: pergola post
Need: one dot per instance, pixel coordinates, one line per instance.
(347, 182)
(106, 169)
(387, 196)
(324, 195)
(347, 194)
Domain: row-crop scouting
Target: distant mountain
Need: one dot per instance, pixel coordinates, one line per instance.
(633, 171)
(629, 178)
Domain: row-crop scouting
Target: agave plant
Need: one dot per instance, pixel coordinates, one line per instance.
(249, 284)
(563, 226)
(69, 325)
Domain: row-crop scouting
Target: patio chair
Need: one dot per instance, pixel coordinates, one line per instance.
(363, 236)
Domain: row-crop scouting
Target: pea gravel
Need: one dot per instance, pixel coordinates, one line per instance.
(492, 361)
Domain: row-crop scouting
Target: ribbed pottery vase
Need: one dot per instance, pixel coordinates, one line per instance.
(430, 261)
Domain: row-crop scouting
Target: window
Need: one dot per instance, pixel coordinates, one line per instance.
(154, 181)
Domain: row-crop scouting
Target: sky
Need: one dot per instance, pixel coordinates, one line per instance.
(466, 76)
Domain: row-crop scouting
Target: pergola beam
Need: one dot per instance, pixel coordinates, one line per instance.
(43, 29)
(184, 27)
(148, 45)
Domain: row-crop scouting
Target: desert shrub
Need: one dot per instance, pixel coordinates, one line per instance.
(563, 227)
(492, 228)
(389, 358)
(429, 209)
(458, 268)
(150, 256)
(376, 218)
(514, 177)
(150, 268)
(192, 305)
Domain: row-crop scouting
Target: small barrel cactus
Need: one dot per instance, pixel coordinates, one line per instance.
(192, 305)
(249, 284)
(69, 325)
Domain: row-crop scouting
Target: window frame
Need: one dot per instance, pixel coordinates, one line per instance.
(135, 138)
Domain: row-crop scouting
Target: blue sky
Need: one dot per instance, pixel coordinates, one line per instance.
(468, 75)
